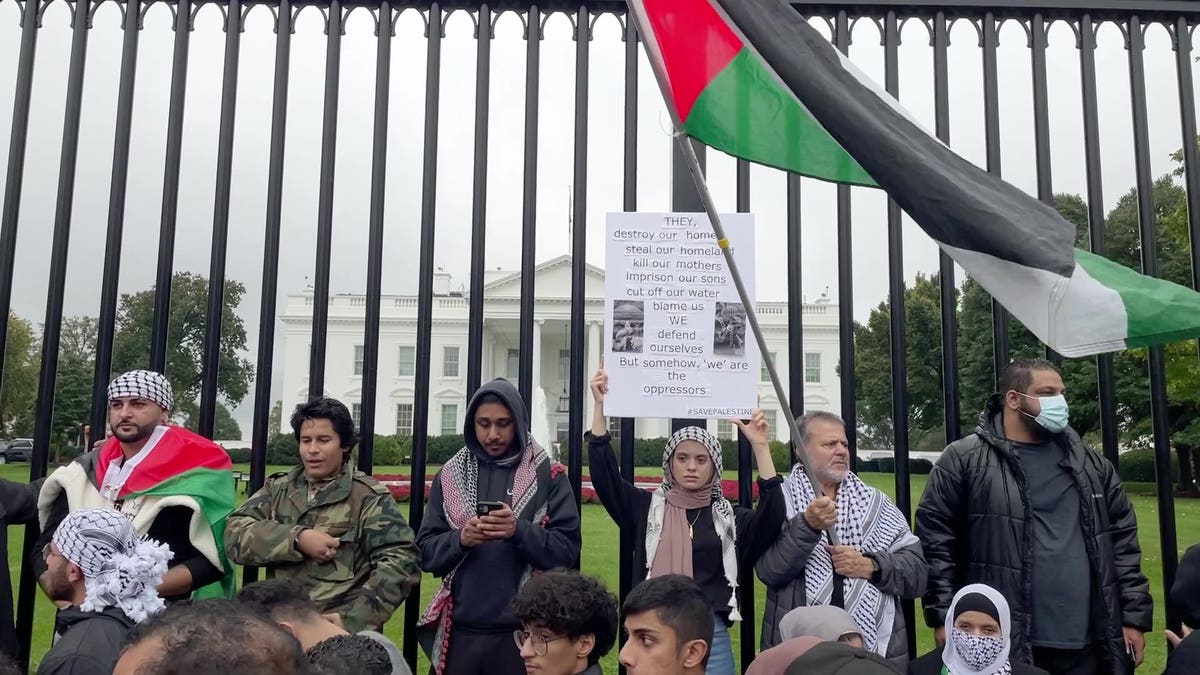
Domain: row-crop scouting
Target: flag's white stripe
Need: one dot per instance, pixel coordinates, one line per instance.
(1076, 316)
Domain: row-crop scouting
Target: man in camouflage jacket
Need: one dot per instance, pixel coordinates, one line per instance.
(325, 521)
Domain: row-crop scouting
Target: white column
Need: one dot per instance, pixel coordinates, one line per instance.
(593, 363)
(537, 357)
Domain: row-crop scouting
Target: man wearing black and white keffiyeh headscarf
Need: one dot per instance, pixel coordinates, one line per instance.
(97, 562)
(877, 562)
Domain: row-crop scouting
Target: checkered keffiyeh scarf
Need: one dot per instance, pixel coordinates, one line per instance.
(120, 567)
(868, 521)
(145, 384)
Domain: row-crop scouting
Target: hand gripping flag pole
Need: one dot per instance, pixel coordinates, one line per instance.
(689, 154)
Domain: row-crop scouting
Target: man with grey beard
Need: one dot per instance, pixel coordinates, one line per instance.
(877, 562)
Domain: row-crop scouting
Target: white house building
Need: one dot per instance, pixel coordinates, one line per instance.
(502, 292)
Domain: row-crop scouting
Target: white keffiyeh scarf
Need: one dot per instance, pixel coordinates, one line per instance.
(120, 567)
(868, 521)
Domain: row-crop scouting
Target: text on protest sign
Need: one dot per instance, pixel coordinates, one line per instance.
(679, 343)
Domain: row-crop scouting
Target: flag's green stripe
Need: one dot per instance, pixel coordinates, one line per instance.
(213, 491)
(745, 112)
(1158, 310)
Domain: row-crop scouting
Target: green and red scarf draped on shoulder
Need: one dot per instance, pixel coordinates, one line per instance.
(752, 78)
(184, 464)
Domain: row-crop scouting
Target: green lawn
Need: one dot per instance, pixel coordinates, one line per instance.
(600, 558)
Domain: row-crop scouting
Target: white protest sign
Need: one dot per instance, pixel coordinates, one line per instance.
(679, 344)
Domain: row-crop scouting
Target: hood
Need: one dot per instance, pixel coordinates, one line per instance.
(507, 393)
(72, 615)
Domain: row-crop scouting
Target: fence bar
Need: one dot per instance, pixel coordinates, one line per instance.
(51, 331)
(9, 217)
(629, 204)
(1191, 153)
(745, 457)
(1148, 234)
(333, 71)
(170, 195)
(370, 380)
(1038, 39)
(578, 364)
(899, 342)
(483, 62)
(525, 356)
(951, 404)
(991, 111)
(420, 430)
(265, 363)
(220, 237)
(116, 216)
(1095, 199)
(845, 255)
(795, 295)
(686, 199)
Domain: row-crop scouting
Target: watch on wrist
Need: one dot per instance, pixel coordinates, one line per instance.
(296, 532)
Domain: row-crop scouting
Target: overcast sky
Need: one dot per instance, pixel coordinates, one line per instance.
(506, 143)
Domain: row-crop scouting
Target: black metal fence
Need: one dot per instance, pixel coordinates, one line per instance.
(1177, 17)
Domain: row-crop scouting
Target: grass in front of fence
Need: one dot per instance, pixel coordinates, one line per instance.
(600, 558)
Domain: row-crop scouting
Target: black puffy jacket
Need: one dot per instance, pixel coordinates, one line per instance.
(972, 522)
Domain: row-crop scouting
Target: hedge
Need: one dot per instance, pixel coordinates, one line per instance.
(1137, 466)
(282, 449)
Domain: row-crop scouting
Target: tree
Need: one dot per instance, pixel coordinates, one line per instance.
(18, 391)
(185, 338)
(923, 348)
(276, 418)
(225, 428)
(73, 381)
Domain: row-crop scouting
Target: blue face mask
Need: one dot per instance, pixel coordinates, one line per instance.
(1054, 415)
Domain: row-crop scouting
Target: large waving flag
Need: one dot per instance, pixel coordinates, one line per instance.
(185, 464)
(753, 79)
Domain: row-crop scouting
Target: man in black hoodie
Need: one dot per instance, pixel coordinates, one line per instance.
(498, 511)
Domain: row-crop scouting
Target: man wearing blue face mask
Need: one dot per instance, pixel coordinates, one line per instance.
(1024, 506)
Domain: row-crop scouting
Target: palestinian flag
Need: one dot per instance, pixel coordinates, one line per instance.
(184, 464)
(753, 79)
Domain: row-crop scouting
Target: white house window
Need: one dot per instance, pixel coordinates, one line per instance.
(725, 430)
(512, 364)
(450, 362)
(614, 429)
(404, 419)
(764, 375)
(449, 419)
(812, 367)
(564, 365)
(769, 417)
(356, 414)
(358, 359)
(408, 361)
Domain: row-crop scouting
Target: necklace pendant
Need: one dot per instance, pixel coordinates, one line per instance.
(691, 532)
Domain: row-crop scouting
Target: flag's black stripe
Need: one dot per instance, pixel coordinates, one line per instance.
(954, 201)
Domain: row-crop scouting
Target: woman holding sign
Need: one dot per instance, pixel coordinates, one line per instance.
(686, 526)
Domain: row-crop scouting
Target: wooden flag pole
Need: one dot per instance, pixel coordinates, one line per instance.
(689, 154)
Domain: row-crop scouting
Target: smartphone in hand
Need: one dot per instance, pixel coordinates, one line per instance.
(484, 508)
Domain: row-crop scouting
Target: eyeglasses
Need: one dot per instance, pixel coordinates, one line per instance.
(48, 552)
(541, 643)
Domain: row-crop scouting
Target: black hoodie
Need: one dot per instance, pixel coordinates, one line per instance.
(489, 574)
